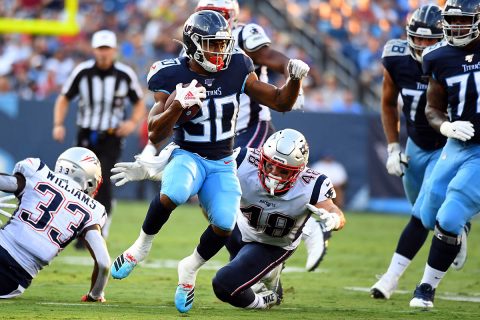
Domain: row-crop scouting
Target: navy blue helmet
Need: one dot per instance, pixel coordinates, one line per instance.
(425, 22)
(460, 21)
(208, 40)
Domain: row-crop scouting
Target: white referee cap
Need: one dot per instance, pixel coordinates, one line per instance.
(104, 38)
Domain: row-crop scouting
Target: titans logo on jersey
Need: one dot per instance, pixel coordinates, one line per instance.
(459, 72)
(407, 74)
(210, 133)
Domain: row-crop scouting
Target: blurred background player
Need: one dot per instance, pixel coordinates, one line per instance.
(102, 85)
(55, 208)
(403, 76)
(272, 201)
(204, 161)
(449, 198)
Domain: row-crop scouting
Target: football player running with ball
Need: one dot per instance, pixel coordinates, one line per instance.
(279, 194)
(55, 208)
(204, 163)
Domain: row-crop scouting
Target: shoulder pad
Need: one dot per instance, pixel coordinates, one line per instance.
(159, 65)
(395, 47)
(436, 46)
(28, 167)
(254, 37)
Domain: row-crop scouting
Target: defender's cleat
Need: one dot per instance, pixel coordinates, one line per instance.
(423, 296)
(123, 266)
(184, 297)
(316, 245)
(270, 298)
(384, 287)
(461, 257)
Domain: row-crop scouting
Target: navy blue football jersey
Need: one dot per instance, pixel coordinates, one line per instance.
(211, 132)
(458, 70)
(407, 75)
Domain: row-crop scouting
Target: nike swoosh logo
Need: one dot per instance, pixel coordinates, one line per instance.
(227, 162)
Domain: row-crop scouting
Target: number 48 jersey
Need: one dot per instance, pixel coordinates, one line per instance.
(277, 220)
(51, 213)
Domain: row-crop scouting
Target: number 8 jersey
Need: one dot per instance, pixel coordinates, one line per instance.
(51, 213)
(277, 220)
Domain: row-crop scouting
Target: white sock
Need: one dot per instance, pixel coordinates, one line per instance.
(106, 227)
(398, 265)
(258, 303)
(188, 268)
(141, 247)
(432, 276)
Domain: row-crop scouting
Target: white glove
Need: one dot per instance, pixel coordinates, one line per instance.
(156, 165)
(397, 161)
(128, 171)
(297, 69)
(4, 204)
(461, 130)
(144, 167)
(300, 102)
(328, 220)
(190, 95)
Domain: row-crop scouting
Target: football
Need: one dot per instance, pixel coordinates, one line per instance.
(187, 114)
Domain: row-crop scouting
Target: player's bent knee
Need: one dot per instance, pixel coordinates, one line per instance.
(445, 236)
(179, 196)
(221, 293)
(221, 232)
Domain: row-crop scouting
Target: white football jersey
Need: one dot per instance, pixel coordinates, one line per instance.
(51, 213)
(277, 220)
(249, 38)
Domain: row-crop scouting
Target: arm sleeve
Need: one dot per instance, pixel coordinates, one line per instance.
(135, 92)
(10, 183)
(100, 254)
(71, 87)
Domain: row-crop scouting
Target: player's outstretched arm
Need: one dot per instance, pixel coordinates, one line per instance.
(98, 249)
(397, 161)
(279, 99)
(331, 217)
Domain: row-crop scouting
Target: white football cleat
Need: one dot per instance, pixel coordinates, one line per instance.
(384, 287)
(461, 257)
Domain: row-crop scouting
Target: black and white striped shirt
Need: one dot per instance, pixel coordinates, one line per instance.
(102, 94)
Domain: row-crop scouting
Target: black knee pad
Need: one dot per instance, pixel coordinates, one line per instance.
(447, 237)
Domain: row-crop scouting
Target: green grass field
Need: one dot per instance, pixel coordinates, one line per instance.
(356, 254)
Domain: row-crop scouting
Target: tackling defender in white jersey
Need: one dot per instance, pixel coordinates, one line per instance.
(55, 207)
(279, 194)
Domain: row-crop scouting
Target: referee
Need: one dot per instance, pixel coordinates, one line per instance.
(102, 86)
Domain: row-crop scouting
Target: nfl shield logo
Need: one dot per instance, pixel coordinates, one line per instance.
(209, 82)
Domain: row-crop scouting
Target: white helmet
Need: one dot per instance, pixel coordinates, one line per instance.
(82, 166)
(288, 151)
(228, 8)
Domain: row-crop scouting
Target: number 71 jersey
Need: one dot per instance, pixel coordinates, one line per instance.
(51, 214)
(277, 220)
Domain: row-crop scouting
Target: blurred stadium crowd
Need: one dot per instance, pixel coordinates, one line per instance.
(35, 67)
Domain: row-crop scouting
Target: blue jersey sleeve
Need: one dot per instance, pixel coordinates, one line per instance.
(161, 73)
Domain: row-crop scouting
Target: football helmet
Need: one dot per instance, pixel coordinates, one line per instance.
(460, 21)
(228, 8)
(82, 166)
(285, 153)
(425, 22)
(208, 40)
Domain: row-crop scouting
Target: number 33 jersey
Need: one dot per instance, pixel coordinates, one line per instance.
(51, 214)
(277, 220)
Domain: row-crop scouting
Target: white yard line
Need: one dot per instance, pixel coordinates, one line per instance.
(474, 297)
(167, 264)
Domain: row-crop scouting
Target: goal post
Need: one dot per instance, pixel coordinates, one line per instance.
(69, 26)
